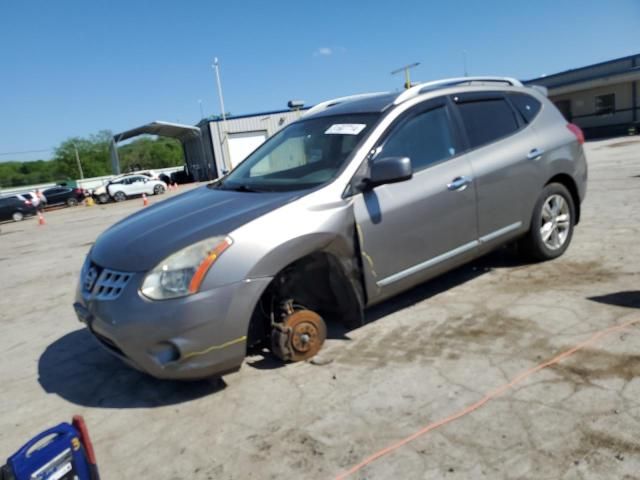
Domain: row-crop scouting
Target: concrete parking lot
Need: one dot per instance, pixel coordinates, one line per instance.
(421, 358)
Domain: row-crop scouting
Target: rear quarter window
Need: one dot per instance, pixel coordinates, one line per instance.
(527, 106)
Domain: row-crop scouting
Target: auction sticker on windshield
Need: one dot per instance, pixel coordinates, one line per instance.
(345, 129)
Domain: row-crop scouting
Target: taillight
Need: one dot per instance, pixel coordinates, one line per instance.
(577, 131)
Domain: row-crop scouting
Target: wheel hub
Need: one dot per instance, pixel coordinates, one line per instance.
(555, 222)
(300, 336)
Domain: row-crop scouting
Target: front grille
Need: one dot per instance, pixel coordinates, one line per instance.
(104, 284)
(110, 284)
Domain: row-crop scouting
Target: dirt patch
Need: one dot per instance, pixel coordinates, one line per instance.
(558, 274)
(587, 365)
(592, 442)
(470, 333)
(623, 143)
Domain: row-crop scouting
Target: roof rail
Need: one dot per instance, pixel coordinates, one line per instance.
(330, 103)
(450, 82)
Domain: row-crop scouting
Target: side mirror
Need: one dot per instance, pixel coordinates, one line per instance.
(389, 170)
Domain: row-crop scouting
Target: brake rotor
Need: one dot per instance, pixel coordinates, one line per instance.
(300, 336)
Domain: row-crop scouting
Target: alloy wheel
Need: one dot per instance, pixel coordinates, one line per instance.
(555, 222)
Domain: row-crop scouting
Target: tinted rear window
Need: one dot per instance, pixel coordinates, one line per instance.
(487, 120)
(526, 105)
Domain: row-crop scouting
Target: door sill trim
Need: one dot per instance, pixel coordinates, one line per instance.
(447, 255)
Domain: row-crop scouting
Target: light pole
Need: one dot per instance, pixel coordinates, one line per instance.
(201, 112)
(216, 67)
(78, 161)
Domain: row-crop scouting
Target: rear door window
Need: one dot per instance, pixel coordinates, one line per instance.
(526, 105)
(486, 121)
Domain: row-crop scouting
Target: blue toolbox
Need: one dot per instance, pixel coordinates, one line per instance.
(63, 452)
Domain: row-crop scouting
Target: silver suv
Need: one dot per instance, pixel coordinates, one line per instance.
(362, 198)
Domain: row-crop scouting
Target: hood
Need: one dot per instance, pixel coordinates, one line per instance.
(139, 242)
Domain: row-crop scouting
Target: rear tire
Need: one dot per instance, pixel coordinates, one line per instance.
(72, 202)
(119, 196)
(158, 189)
(552, 224)
(103, 198)
(17, 216)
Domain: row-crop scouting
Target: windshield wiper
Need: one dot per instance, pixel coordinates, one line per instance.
(239, 188)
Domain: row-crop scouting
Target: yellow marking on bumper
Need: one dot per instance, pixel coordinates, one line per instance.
(215, 347)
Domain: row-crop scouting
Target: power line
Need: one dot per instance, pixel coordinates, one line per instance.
(27, 151)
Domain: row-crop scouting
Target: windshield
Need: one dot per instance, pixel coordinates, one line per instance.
(305, 154)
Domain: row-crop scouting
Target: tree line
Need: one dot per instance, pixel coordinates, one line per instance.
(145, 152)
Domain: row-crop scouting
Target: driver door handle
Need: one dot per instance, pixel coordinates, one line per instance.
(535, 153)
(459, 184)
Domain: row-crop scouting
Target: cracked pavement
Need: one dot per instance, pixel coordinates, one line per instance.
(422, 356)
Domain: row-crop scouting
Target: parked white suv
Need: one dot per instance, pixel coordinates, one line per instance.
(133, 185)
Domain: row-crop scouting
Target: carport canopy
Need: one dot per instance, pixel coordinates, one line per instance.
(161, 129)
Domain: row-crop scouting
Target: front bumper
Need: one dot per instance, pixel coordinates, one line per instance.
(186, 338)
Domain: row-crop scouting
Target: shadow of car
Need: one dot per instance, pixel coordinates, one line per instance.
(78, 369)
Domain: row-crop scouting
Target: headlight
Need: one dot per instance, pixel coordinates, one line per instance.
(182, 273)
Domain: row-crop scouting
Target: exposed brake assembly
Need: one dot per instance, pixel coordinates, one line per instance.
(298, 334)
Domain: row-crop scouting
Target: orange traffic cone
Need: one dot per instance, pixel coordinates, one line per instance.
(40, 218)
(145, 200)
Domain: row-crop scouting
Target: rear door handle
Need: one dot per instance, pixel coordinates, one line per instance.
(535, 153)
(458, 184)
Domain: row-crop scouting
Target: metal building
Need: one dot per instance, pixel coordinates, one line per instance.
(213, 146)
(228, 142)
(192, 146)
(602, 99)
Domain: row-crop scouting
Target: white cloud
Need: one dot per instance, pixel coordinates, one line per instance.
(323, 51)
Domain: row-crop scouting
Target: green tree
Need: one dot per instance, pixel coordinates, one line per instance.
(149, 152)
(93, 152)
(145, 152)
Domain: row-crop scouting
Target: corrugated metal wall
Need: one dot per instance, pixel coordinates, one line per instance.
(578, 90)
(586, 73)
(200, 166)
(269, 122)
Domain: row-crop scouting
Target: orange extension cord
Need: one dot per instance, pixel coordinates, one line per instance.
(490, 396)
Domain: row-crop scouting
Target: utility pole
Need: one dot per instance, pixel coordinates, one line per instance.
(78, 161)
(216, 67)
(201, 112)
(407, 77)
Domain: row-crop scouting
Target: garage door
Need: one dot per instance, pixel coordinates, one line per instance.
(242, 144)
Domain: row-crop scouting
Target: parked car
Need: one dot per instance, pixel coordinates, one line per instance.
(60, 195)
(147, 173)
(132, 185)
(128, 185)
(16, 208)
(181, 176)
(362, 198)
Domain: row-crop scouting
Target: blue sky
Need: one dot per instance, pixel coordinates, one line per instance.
(71, 68)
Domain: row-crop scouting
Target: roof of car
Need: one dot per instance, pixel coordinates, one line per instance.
(370, 104)
(379, 102)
